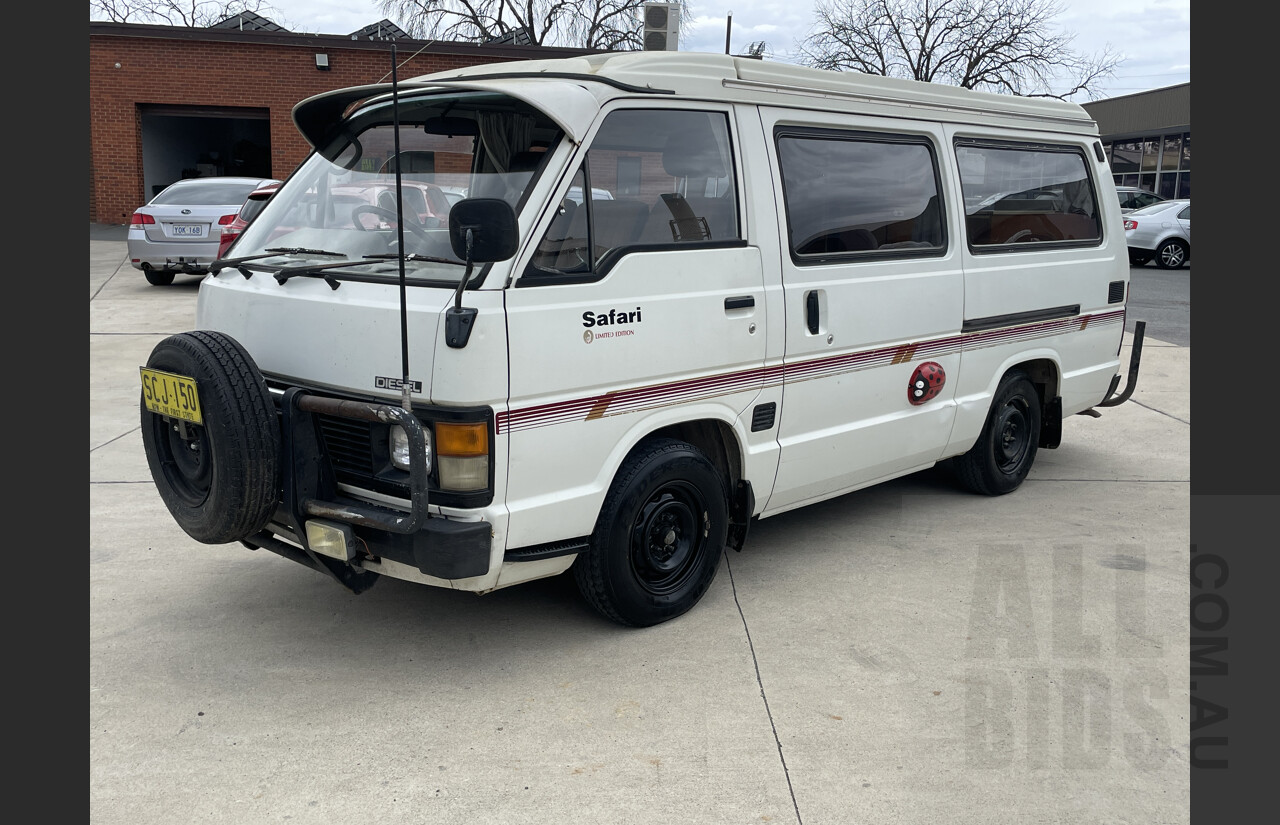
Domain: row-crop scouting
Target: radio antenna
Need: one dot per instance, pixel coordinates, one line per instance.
(405, 385)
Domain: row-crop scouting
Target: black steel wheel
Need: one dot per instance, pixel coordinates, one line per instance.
(657, 542)
(220, 480)
(1172, 254)
(1000, 460)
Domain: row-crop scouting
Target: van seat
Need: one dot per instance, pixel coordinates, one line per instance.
(718, 213)
(618, 222)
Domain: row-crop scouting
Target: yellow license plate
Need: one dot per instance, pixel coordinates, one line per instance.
(175, 396)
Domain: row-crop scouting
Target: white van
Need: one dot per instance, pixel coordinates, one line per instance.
(784, 284)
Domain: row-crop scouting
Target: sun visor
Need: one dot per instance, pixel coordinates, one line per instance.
(319, 118)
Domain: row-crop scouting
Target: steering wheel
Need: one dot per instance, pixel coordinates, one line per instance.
(388, 215)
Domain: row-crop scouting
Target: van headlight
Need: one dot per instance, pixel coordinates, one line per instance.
(399, 447)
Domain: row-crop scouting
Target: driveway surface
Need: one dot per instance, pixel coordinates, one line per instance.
(909, 653)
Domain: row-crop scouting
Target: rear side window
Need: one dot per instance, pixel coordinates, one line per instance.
(1022, 196)
(856, 195)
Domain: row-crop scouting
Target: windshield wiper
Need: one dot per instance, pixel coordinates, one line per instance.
(414, 256)
(274, 252)
(284, 273)
(302, 250)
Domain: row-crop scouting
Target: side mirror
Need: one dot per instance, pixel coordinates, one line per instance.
(481, 230)
(491, 223)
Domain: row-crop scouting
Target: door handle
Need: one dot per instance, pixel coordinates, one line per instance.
(811, 311)
(741, 302)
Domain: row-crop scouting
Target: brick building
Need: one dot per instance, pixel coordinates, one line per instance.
(167, 102)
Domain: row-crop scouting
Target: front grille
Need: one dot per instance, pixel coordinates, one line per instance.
(349, 444)
(358, 457)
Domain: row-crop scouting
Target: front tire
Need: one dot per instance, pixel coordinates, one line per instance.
(220, 480)
(1172, 254)
(1000, 460)
(658, 540)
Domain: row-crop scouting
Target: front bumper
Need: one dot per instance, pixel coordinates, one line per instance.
(436, 546)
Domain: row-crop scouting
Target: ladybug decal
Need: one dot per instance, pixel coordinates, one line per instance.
(926, 382)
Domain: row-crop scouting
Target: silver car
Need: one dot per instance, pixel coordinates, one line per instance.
(1160, 232)
(178, 231)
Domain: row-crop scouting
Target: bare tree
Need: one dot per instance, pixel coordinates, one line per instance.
(192, 13)
(1009, 46)
(588, 24)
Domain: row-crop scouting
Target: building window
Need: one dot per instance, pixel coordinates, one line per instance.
(1150, 154)
(1172, 153)
(1125, 157)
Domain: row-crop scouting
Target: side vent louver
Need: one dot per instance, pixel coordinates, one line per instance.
(1115, 292)
(762, 417)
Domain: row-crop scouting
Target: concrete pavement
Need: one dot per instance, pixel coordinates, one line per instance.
(909, 653)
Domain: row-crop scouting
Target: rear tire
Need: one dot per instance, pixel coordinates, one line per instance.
(220, 480)
(158, 277)
(1004, 452)
(658, 540)
(1172, 254)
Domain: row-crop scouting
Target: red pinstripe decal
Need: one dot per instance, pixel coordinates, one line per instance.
(617, 402)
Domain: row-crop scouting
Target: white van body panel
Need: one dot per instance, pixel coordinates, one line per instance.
(311, 317)
(579, 390)
(845, 419)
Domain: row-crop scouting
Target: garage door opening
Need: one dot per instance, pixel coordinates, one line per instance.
(202, 141)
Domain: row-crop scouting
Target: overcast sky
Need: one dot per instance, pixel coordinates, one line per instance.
(1152, 36)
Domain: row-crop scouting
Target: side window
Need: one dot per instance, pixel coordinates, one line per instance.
(651, 178)
(1020, 194)
(859, 195)
(1185, 214)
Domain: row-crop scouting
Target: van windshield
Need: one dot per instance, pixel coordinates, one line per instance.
(342, 203)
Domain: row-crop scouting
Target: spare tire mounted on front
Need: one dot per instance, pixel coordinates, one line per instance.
(220, 479)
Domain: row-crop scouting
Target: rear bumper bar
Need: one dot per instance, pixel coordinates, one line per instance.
(1135, 360)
